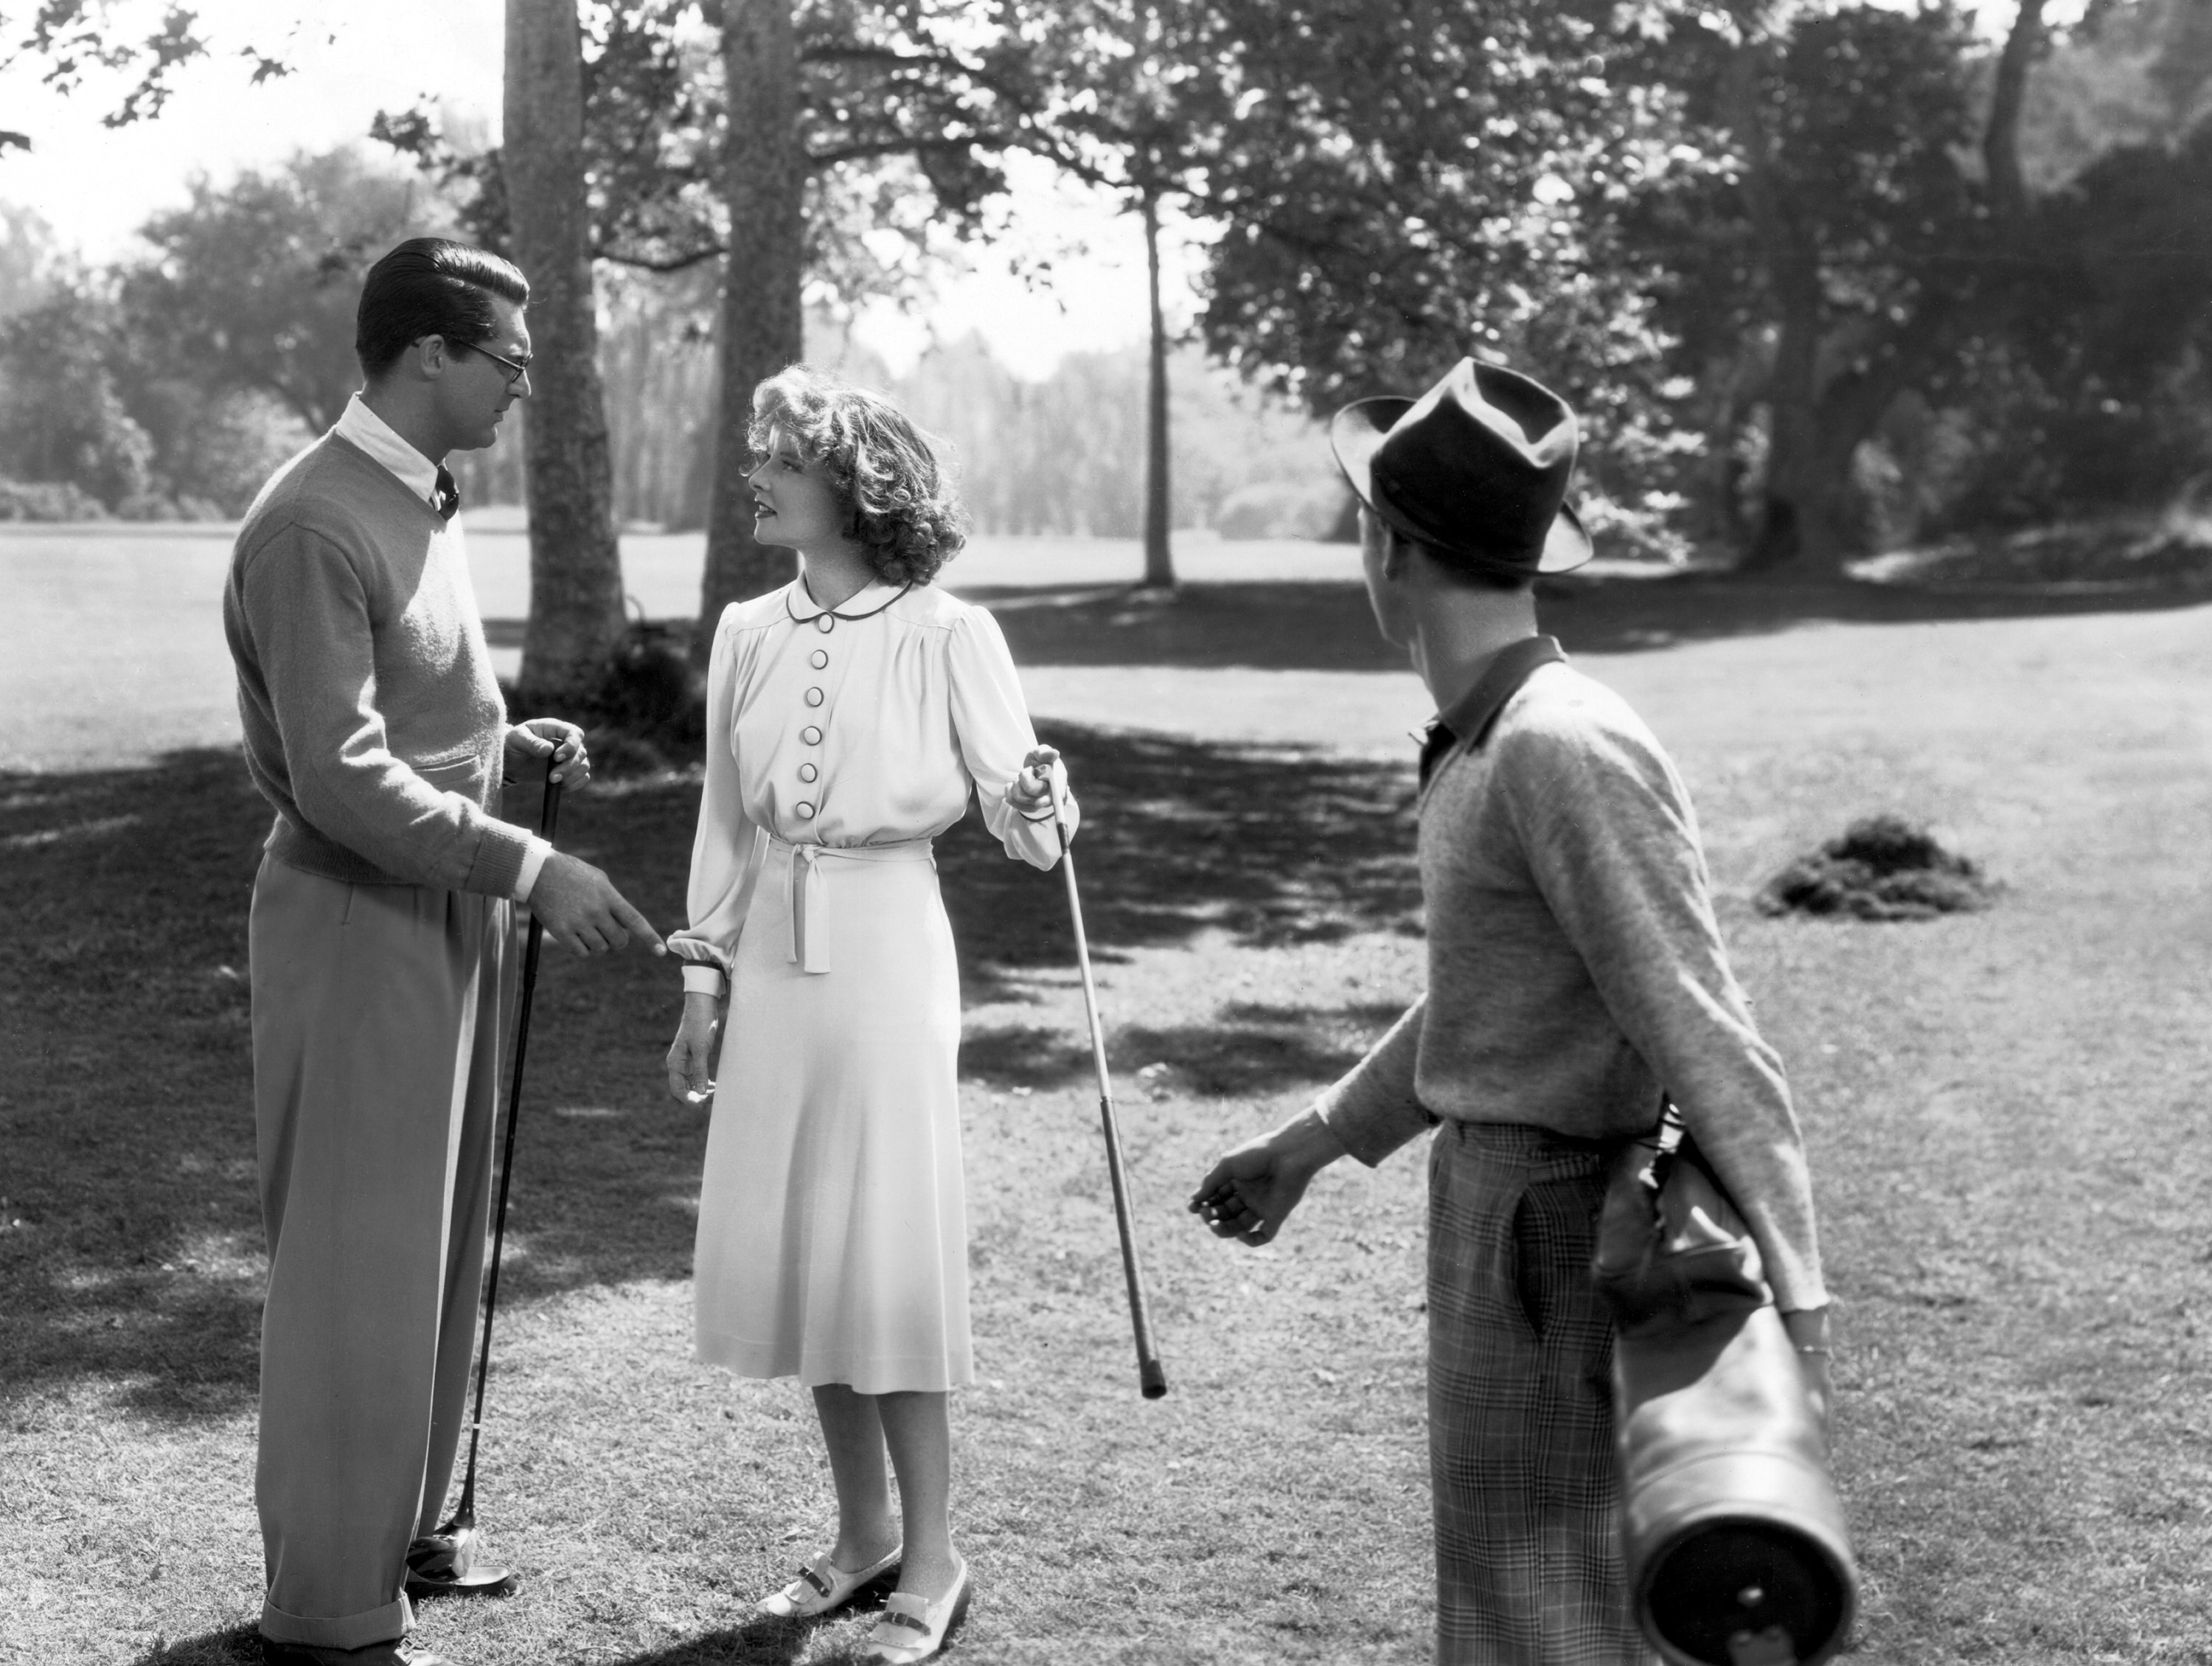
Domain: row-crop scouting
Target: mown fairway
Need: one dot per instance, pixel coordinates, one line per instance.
(2005, 1111)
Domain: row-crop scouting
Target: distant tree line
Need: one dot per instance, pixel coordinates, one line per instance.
(169, 385)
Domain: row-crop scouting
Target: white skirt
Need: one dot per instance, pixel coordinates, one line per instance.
(833, 1239)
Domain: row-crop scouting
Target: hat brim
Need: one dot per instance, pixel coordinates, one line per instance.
(1357, 433)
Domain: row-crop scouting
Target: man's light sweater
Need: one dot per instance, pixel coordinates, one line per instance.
(373, 723)
(1574, 966)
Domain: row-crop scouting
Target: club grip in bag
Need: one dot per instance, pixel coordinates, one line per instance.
(1733, 1536)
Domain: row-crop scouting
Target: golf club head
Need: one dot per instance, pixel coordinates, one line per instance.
(447, 1561)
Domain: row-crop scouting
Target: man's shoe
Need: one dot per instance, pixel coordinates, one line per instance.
(398, 1652)
(444, 1563)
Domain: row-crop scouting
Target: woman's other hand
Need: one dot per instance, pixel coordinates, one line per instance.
(691, 1055)
(1034, 785)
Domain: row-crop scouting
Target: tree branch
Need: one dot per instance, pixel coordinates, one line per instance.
(669, 263)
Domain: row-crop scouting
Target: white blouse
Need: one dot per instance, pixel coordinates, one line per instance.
(864, 726)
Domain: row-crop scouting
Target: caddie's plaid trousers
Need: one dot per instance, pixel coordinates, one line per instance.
(1521, 1449)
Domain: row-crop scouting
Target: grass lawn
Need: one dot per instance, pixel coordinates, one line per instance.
(2002, 1109)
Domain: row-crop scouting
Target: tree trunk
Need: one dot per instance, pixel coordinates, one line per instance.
(763, 326)
(1810, 521)
(1159, 561)
(575, 565)
(2001, 141)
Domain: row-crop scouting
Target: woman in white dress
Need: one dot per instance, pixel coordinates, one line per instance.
(849, 716)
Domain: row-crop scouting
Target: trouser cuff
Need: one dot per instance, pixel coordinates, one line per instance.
(352, 1631)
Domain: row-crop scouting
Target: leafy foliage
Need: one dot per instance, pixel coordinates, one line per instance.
(1758, 249)
(62, 418)
(73, 38)
(253, 285)
(903, 109)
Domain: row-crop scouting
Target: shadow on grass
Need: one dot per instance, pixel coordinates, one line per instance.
(130, 1244)
(238, 1646)
(757, 1643)
(1247, 1050)
(1325, 625)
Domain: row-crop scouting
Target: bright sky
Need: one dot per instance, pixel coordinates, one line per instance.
(95, 185)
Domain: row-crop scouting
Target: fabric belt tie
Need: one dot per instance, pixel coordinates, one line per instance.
(810, 889)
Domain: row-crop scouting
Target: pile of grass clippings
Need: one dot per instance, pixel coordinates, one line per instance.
(1882, 868)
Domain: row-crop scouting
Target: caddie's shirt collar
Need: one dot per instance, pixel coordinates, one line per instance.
(1468, 722)
(871, 598)
(358, 423)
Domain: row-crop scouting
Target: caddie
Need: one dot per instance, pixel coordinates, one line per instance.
(1575, 976)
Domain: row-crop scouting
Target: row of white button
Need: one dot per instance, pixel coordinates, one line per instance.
(819, 659)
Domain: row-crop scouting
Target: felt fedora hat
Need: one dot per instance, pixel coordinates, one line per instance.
(1476, 469)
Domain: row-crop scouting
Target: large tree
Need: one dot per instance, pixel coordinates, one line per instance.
(1131, 96)
(1399, 188)
(1876, 231)
(777, 155)
(576, 564)
(833, 104)
(1738, 238)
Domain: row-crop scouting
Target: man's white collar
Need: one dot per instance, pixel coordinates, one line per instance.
(365, 429)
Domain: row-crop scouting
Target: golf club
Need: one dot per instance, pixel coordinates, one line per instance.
(1150, 1377)
(452, 1566)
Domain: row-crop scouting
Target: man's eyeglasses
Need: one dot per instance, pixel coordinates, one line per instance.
(516, 369)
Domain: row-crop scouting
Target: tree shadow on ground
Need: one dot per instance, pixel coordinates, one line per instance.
(1246, 1051)
(1326, 625)
(130, 1243)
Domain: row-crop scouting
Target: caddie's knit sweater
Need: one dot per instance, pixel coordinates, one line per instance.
(1575, 965)
(373, 723)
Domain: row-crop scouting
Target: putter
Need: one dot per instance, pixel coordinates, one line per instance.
(1151, 1377)
(445, 1561)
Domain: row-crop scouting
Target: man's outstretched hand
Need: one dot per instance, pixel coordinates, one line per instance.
(1249, 1192)
(581, 910)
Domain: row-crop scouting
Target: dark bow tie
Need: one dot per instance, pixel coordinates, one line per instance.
(448, 500)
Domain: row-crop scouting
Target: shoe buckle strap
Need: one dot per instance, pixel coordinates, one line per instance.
(904, 1608)
(807, 1571)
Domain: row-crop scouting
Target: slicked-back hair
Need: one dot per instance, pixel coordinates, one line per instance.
(431, 286)
(899, 495)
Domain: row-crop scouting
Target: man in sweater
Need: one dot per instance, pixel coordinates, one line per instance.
(382, 907)
(1575, 974)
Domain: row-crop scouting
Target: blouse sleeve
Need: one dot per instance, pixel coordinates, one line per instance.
(725, 857)
(991, 722)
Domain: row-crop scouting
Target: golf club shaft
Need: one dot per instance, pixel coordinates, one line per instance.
(1151, 1377)
(548, 821)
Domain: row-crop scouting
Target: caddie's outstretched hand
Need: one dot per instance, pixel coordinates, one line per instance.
(582, 911)
(1249, 1194)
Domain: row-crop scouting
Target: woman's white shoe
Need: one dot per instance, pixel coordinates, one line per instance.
(821, 1587)
(913, 1629)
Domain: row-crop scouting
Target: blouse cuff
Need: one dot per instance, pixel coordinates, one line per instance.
(702, 980)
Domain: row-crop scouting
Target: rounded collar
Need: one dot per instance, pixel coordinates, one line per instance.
(866, 602)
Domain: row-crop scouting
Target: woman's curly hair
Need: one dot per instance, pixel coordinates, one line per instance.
(904, 510)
